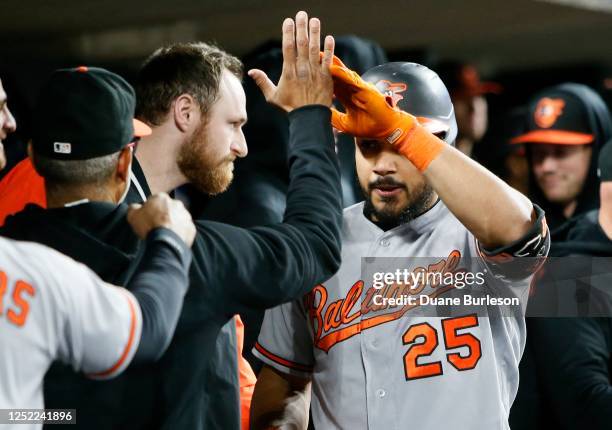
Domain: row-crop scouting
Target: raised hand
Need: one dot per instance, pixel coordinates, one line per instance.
(369, 114)
(306, 78)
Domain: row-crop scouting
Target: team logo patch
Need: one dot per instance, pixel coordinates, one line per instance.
(547, 111)
(392, 90)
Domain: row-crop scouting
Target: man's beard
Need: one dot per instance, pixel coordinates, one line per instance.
(195, 162)
(390, 217)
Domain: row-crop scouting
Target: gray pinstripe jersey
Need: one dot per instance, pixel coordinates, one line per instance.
(381, 368)
(53, 308)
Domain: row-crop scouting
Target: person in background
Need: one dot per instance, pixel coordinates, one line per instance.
(564, 127)
(468, 92)
(504, 159)
(571, 376)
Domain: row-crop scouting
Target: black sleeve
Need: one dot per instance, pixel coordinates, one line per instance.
(159, 284)
(262, 267)
(523, 257)
(573, 364)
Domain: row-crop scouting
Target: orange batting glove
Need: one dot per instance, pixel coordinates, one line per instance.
(371, 115)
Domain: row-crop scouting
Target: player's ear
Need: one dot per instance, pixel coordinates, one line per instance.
(124, 164)
(184, 110)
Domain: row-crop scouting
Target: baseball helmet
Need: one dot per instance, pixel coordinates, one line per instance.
(419, 91)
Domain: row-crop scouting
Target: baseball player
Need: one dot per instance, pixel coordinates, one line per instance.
(52, 307)
(377, 366)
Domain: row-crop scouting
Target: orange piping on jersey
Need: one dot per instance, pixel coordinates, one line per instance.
(282, 361)
(128, 347)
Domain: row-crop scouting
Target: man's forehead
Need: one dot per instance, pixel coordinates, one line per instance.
(2, 93)
(230, 89)
(232, 83)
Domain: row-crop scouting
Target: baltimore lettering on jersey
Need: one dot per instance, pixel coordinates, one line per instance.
(342, 319)
(336, 321)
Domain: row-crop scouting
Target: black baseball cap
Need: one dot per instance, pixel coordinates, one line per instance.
(83, 113)
(557, 116)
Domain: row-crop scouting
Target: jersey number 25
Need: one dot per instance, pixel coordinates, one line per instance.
(18, 313)
(452, 340)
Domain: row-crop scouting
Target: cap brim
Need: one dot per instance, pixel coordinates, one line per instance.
(555, 137)
(141, 129)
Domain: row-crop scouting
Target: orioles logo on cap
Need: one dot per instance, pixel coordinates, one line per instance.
(392, 90)
(547, 111)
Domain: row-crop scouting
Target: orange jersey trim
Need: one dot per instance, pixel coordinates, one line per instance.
(127, 348)
(282, 361)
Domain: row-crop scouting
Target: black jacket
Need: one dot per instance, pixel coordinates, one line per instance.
(97, 235)
(194, 385)
(566, 372)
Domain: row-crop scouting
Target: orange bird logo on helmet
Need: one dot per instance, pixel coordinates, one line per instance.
(392, 90)
(547, 111)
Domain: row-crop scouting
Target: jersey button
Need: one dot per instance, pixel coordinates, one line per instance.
(381, 393)
(385, 242)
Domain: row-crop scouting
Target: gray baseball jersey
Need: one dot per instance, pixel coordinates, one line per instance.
(53, 308)
(394, 367)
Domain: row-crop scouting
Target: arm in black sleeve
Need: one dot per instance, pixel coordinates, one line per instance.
(573, 357)
(159, 284)
(523, 257)
(264, 266)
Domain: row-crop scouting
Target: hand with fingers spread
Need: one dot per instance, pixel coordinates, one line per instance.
(305, 79)
(371, 115)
